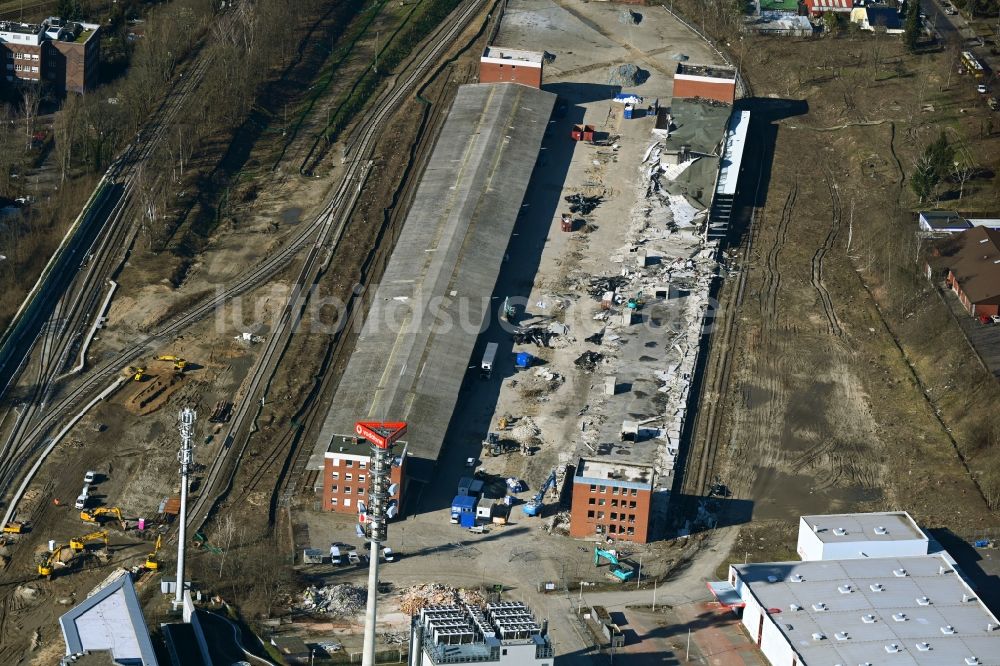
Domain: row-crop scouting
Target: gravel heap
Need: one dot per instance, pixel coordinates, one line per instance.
(333, 600)
(627, 75)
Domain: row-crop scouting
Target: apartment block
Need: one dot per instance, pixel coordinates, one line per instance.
(64, 54)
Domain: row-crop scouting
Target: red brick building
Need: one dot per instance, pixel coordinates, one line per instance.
(971, 262)
(64, 54)
(611, 500)
(716, 82)
(500, 65)
(345, 479)
(820, 7)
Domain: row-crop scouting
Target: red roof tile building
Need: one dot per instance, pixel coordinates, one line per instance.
(819, 7)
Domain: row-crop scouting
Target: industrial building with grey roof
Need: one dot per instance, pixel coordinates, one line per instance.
(436, 293)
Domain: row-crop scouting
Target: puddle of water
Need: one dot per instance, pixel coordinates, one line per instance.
(291, 216)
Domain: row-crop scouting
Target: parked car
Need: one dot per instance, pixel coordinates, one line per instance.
(995, 319)
(353, 557)
(90, 476)
(388, 554)
(981, 88)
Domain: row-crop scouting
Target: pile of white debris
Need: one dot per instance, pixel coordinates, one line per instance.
(333, 600)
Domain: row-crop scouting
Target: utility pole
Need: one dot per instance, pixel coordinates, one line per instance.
(375, 519)
(185, 456)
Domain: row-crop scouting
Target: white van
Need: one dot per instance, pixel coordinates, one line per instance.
(335, 558)
(489, 356)
(81, 501)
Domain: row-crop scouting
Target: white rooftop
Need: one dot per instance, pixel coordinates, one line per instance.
(502, 53)
(615, 471)
(908, 610)
(853, 527)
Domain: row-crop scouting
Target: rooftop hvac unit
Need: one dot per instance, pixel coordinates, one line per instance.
(892, 648)
(818, 636)
(794, 607)
(845, 589)
(796, 578)
(899, 573)
(868, 619)
(881, 531)
(899, 617)
(877, 587)
(923, 601)
(841, 636)
(947, 630)
(972, 661)
(840, 531)
(923, 646)
(820, 606)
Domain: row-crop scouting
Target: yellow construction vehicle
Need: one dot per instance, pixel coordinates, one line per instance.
(79, 543)
(138, 373)
(16, 527)
(179, 363)
(95, 515)
(152, 563)
(51, 561)
(502, 423)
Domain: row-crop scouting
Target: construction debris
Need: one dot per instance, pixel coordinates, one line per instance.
(416, 598)
(533, 335)
(589, 360)
(600, 285)
(584, 205)
(627, 75)
(334, 600)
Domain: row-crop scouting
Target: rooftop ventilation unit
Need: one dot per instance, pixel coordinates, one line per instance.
(820, 606)
(794, 607)
(796, 578)
(772, 579)
(899, 573)
(845, 589)
(865, 663)
(881, 531)
(892, 648)
(923, 647)
(877, 587)
(972, 661)
(899, 617)
(990, 626)
(967, 598)
(841, 636)
(868, 619)
(818, 636)
(840, 531)
(943, 570)
(948, 630)
(923, 601)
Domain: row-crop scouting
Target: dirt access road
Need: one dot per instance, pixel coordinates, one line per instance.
(822, 412)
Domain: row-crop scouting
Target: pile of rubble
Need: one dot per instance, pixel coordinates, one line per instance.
(334, 600)
(524, 430)
(558, 523)
(582, 204)
(414, 599)
(627, 75)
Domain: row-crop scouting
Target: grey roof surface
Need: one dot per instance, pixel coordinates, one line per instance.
(899, 526)
(406, 367)
(698, 125)
(921, 606)
(111, 620)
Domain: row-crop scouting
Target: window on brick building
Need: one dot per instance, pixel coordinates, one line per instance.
(604, 489)
(602, 501)
(361, 478)
(334, 475)
(614, 502)
(635, 493)
(349, 463)
(631, 505)
(611, 529)
(591, 501)
(614, 515)
(363, 464)
(348, 477)
(630, 531)
(333, 488)
(347, 490)
(593, 488)
(333, 501)
(361, 491)
(347, 501)
(600, 515)
(590, 514)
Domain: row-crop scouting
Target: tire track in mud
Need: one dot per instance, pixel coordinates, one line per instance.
(772, 276)
(816, 277)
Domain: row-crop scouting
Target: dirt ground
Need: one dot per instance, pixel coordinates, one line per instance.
(824, 412)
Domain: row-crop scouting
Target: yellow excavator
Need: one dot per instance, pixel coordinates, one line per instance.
(16, 527)
(137, 373)
(47, 566)
(95, 515)
(179, 363)
(152, 563)
(80, 543)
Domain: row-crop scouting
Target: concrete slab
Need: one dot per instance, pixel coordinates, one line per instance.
(414, 349)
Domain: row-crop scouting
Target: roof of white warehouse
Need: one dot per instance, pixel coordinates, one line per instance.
(855, 527)
(908, 610)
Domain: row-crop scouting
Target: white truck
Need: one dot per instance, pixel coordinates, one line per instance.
(489, 357)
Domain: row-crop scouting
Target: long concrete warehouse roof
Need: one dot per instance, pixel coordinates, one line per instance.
(414, 348)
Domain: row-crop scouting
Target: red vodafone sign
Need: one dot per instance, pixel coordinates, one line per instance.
(380, 433)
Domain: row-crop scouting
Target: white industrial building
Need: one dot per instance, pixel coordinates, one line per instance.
(905, 611)
(504, 633)
(846, 536)
(872, 589)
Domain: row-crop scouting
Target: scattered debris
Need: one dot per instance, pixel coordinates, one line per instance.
(582, 204)
(601, 285)
(533, 335)
(334, 600)
(596, 338)
(627, 75)
(589, 360)
(416, 598)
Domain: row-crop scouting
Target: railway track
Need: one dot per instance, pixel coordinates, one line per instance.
(322, 236)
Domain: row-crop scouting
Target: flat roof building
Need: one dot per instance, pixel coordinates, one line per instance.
(859, 535)
(611, 499)
(65, 54)
(889, 610)
(345, 481)
(503, 65)
(504, 633)
(716, 82)
(436, 293)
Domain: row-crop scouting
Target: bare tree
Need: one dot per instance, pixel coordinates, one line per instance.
(962, 172)
(31, 97)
